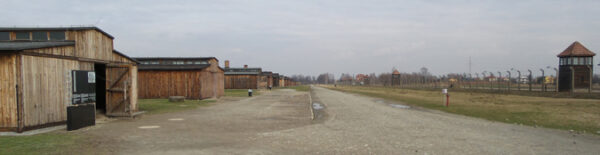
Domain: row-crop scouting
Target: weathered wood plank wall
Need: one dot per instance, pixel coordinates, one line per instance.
(8, 95)
(220, 84)
(91, 44)
(46, 80)
(47, 88)
(162, 84)
(262, 82)
(58, 51)
(241, 81)
(191, 84)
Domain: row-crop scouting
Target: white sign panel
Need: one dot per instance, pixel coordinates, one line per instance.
(91, 77)
(445, 91)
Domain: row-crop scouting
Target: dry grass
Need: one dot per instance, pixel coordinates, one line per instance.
(560, 113)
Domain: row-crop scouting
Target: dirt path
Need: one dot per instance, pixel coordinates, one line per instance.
(225, 128)
(279, 122)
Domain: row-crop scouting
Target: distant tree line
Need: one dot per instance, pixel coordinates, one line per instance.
(423, 76)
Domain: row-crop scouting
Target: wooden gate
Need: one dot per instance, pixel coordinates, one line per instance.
(119, 91)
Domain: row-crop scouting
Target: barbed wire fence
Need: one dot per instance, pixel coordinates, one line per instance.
(509, 80)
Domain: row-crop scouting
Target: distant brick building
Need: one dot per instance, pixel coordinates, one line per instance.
(362, 79)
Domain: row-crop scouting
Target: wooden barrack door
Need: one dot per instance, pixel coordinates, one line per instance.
(118, 91)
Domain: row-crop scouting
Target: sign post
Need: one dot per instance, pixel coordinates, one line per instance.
(445, 92)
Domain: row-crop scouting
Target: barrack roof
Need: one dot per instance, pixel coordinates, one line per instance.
(175, 58)
(173, 67)
(25, 45)
(74, 28)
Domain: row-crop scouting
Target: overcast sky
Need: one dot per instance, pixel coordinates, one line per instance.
(350, 36)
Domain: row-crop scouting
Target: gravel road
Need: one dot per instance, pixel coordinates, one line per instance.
(363, 125)
(279, 122)
(230, 126)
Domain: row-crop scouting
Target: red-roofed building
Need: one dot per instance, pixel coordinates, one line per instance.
(362, 79)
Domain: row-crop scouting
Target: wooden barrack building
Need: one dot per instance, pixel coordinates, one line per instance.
(193, 78)
(45, 70)
(276, 80)
(266, 79)
(243, 78)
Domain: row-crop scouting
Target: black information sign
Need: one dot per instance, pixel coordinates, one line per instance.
(84, 87)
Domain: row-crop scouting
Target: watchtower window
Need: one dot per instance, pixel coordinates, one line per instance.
(560, 61)
(4, 35)
(22, 36)
(39, 36)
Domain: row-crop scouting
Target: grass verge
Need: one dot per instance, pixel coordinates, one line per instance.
(560, 113)
(159, 106)
(240, 92)
(47, 143)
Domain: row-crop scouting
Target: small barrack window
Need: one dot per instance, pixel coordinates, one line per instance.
(4, 35)
(22, 35)
(39, 36)
(57, 35)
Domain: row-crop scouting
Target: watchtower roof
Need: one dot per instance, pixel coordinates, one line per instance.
(576, 49)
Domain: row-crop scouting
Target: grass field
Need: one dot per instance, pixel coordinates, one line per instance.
(158, 106)
(240, 92)
(581, 115)
(47, 143)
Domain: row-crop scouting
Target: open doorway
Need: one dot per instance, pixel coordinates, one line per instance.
(100, 70)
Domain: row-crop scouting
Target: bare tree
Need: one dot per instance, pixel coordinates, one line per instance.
(325, 78)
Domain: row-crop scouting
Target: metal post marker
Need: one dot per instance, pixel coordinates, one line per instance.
(445, 91)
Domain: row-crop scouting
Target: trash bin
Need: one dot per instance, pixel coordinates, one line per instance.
(250, 92)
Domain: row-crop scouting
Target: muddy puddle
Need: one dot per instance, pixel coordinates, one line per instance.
(399, 106)
(317, 106)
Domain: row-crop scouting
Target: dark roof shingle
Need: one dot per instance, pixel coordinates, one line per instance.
(173, 67)
(243, 71)
(173, 58)
(25, 45)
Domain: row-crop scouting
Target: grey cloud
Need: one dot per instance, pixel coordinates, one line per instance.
(311, 37)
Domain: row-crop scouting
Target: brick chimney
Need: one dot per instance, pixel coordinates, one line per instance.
(226, 63)
(245, 66)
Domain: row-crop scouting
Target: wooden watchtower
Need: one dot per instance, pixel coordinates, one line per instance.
(395, 78)
(576, 68)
